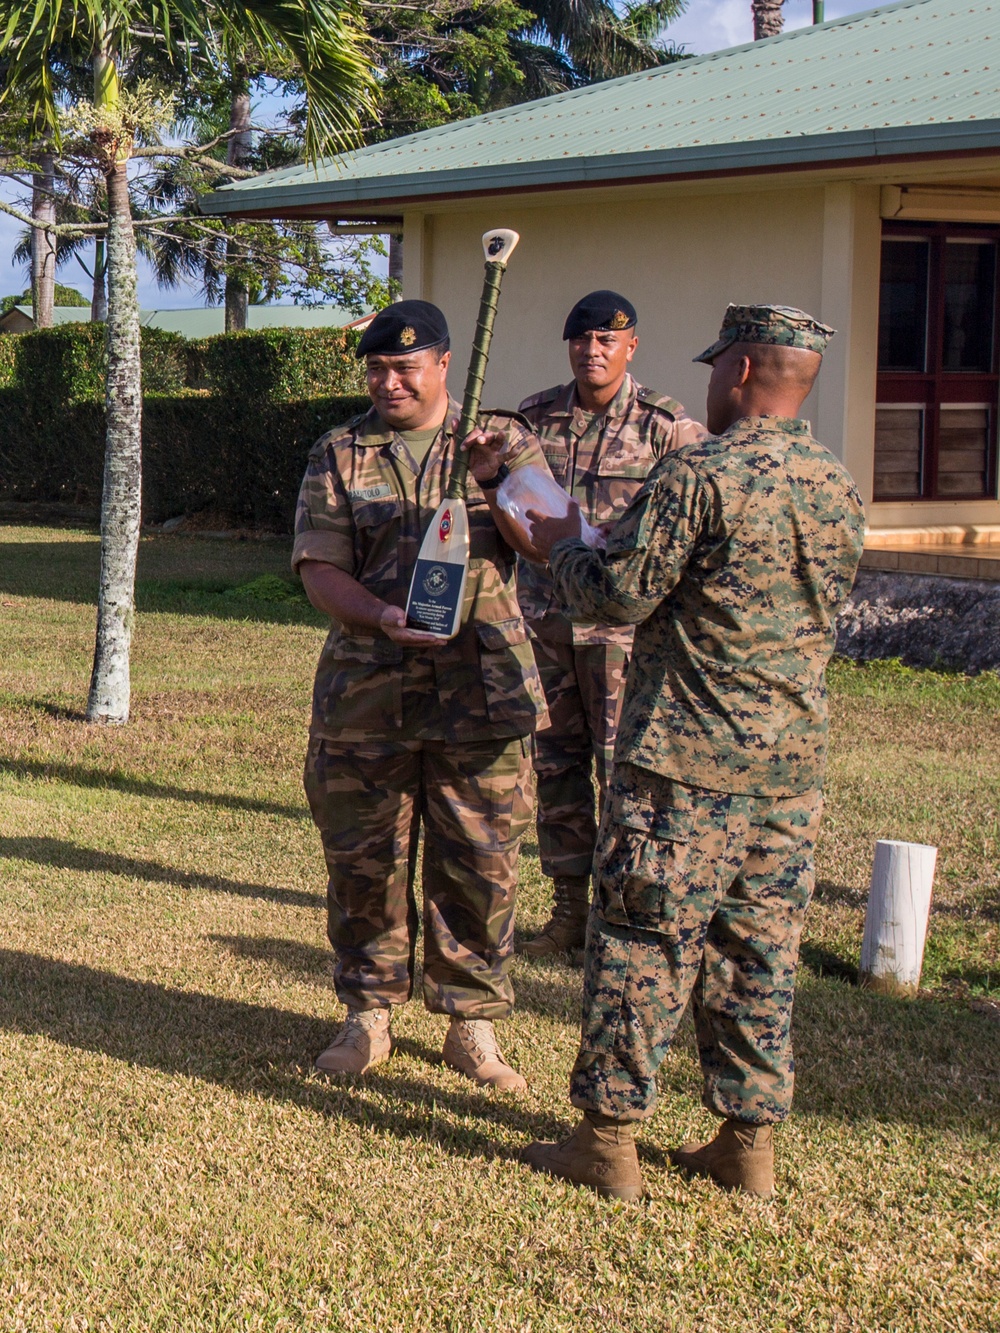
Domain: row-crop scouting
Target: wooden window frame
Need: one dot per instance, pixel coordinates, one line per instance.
(934, 386)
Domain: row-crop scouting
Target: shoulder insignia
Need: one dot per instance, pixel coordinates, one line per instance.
(343, 433)
(487, 412)
(539, 399)
(650, 398)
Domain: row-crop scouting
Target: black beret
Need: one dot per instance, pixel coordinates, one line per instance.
(599, 310)
(403, 327)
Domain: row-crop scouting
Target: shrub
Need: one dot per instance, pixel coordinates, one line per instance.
(236, 444)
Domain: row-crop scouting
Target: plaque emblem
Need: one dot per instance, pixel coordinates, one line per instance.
(444, 527)
(436, 582)
(408, 336)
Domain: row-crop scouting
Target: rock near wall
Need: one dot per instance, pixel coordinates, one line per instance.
(927, 621)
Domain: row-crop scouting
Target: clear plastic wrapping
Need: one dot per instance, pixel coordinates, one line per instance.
(535, 488)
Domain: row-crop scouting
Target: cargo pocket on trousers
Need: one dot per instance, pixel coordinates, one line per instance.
(510, 677)
(640, 865)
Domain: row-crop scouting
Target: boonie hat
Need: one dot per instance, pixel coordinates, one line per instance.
(401, 328)
(599, 310)
(779, 325)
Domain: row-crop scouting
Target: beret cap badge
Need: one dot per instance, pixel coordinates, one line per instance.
(619, 320)
(401, 328)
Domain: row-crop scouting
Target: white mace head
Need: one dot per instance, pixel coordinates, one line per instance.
(498, 245)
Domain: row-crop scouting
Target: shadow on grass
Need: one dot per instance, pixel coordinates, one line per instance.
(68, 571)
(248, 1048)
(290, 956)
(71, 856)
(100, 779)
(824, 963)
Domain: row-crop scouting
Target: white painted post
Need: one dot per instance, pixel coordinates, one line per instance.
(899, 902)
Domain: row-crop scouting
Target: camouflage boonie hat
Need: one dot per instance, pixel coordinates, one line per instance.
(779, 325)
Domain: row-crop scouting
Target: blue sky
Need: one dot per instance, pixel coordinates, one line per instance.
(708, 25)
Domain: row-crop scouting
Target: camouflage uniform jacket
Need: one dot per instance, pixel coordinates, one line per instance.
(733, 561)
(602, 461)
(364, 506)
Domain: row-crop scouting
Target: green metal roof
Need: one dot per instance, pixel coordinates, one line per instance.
(905, 79)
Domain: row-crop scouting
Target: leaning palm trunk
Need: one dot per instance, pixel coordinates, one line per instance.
(43, 243)
(768, 19)
(110, 683)
(237, 298)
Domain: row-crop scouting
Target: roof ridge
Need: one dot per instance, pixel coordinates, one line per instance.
(654, 71)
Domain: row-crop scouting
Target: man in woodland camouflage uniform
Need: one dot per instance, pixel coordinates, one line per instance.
(601, 434)
(407, 727)
(733, 561)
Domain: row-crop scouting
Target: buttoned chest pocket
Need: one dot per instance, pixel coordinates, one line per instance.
(617, 480)
(377, 533)
(557, 458)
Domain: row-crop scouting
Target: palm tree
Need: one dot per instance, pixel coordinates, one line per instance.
(768, 19)
(320, 39)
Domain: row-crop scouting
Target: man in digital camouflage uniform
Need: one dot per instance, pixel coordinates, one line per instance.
(733, 561)
(407, 728)
(601, 433)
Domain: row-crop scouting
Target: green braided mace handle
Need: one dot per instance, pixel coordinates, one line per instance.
(497, 246)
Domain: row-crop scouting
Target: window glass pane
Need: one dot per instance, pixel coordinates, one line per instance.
(899, 449)
(969, 269)
(902, 311)
(963, 449)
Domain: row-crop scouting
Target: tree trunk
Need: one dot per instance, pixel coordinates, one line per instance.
(237, 151)
(110, 683)
(768, 19)
(395, 266)
(43, 243)
(99, 297)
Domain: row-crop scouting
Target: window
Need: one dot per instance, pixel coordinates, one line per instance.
(938, 382)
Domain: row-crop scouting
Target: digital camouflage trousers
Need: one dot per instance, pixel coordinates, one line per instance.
(699, 895)
(474, 801)
(583, 685)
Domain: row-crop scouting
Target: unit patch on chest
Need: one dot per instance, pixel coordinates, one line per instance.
(380, 492)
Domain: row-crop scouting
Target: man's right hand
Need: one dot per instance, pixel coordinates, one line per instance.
(393, 624)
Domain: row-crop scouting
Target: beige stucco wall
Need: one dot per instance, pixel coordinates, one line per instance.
(680, 261)
(680, 255)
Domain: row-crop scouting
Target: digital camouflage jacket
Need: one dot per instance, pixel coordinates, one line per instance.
(364, 506)
(602, 461)
(733, 561)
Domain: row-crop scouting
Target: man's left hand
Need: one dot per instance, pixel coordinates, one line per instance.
(546, 531)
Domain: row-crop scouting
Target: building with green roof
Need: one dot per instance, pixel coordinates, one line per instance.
(199, 321)
(852, 169)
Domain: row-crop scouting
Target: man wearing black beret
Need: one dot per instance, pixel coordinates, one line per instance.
(407, 728)
(601, 433)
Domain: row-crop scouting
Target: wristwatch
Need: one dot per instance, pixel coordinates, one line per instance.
(491, 483)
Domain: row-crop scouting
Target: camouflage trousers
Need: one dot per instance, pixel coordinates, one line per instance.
(700, 895)
(583, 688)
(474, 801)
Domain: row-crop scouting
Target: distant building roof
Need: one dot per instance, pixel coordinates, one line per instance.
(908, 79)
(200, 321)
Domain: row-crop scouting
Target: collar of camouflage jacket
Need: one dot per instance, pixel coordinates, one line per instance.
(772, 425)
(373, 431)
(567, 404)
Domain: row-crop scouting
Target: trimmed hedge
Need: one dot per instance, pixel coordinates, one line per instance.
(241, 453)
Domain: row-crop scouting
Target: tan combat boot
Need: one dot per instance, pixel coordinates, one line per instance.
(599, 1154)
(566, 929)
(363, 1041)
(471, 1048)
(740, 1157)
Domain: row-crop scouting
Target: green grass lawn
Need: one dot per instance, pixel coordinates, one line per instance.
(168, 1161)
